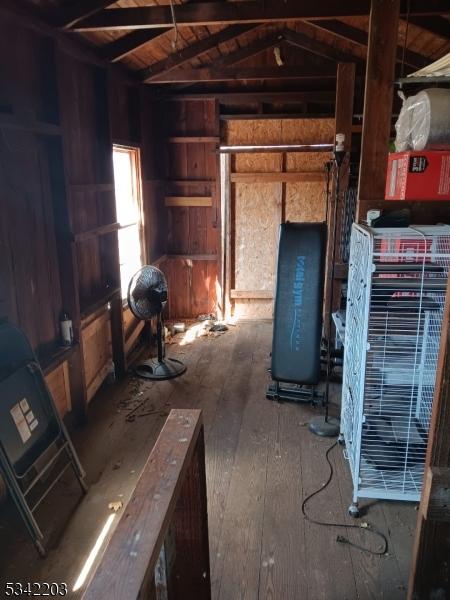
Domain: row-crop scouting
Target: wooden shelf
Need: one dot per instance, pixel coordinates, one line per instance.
(49, 362)
(97, 232)
(277, 177)
(191, 256)
(271, 148)
(193, 139)
(252, 294)
(98, 302)
(8, 121)
(210, 182)
(178, 201)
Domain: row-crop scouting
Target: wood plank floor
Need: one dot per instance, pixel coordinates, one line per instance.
(261, 462)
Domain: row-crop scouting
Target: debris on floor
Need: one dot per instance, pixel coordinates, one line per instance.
(218, 327)
(115, 506)
(206, 317)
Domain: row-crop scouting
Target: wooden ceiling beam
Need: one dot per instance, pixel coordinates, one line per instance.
(211, 74)
(118, 49)
(360, 37)
(269, 41)
(246, 11)
(229, 98)
(177, 59)
(300, 40)
(436, 25)
(82, 9)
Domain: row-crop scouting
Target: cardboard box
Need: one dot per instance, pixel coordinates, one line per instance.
(418, 176)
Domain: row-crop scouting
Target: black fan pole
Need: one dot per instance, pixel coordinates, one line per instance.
(327, 426)
(159, 337)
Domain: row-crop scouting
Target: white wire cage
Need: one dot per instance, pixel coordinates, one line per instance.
(396, 294)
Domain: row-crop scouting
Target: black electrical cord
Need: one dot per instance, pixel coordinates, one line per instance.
(341, 539)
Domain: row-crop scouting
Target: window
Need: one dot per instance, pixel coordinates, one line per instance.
(129, 214)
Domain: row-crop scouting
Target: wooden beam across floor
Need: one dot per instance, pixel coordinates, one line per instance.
(247, 11)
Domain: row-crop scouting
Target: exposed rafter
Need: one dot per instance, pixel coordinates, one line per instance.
(211, 74)
(358, 36)
(300, 40)
(322, 97)
(246, 11)
(436, 25)
(292, 37)
(81, 10)
(269, 41)
(118, 49)
(177, 59)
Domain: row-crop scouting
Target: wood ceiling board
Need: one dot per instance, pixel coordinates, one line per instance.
(306, 42)
(245, 11)
(183, 56)
(437, 25)
(357, 35)
(131, 42)
(72, 14)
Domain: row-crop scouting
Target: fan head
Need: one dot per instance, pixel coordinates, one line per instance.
(147, 293)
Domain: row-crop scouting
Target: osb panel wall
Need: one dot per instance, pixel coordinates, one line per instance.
(257, 218)
(258, 208)
(59, 385)
(97, 351)
(306, 201)
(279, 131)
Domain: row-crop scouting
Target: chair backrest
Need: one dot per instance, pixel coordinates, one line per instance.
(29, 424)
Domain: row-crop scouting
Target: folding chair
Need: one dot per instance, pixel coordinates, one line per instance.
(35, 449)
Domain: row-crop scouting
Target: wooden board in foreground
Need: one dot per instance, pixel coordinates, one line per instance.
(167, 507)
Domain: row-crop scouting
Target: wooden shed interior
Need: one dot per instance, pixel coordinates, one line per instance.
(180, 135)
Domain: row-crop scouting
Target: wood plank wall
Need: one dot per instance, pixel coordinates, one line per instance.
(59, 115)
(192, 165)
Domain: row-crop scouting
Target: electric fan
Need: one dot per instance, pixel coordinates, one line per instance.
(147, 296)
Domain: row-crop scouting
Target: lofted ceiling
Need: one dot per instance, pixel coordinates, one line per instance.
(231, 44)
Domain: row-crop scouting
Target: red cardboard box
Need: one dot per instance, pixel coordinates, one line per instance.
(418, 176)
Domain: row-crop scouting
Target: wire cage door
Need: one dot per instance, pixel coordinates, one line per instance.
(396, 296)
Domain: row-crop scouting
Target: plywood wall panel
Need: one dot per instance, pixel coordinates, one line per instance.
(257, 163)
(277, 131)
(257, 220)
(58, 383)
(259, 208)
(97, 351)
(305, 202)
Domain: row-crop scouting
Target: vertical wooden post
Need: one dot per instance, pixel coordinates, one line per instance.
(380, 71)
(345, 91)
(225, 194)
(430, 576)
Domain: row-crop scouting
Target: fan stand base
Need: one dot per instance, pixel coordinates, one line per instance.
(168, 368)
(329, 427)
